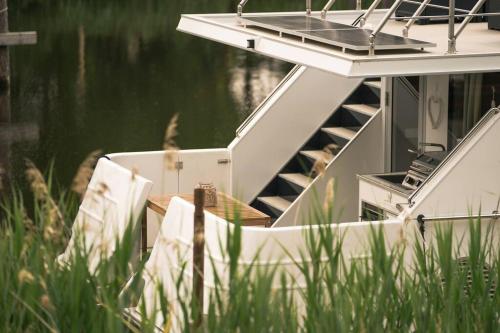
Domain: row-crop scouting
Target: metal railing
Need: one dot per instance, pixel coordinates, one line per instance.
(486, 118)
(368, 12)
(381, 25)
(418, 12)
(453, 33)
(494, 215)
(327, 7)
(242, 4)
(421, 219)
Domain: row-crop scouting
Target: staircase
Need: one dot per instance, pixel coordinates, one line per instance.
(320, 149)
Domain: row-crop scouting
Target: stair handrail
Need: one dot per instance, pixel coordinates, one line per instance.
(483, 121)
(411, 89)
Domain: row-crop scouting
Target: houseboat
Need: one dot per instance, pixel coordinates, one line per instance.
(396, 109)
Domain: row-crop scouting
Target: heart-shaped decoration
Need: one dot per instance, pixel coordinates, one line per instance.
(435, 113)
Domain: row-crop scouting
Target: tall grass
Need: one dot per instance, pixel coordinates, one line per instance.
(378, 294)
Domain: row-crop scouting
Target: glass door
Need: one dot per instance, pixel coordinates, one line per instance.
(405, 104)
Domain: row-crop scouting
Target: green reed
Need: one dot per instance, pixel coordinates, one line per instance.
(379, 293)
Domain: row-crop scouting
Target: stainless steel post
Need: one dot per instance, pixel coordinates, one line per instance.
(369, 11)
(381, 24)
(240, 6)
(451, 28)
(413, 19)
(327, 7)
(308, 7)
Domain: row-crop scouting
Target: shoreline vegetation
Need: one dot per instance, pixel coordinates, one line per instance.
(379, 294)
(437, 293)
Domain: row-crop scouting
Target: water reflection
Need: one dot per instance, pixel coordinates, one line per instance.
(249, 85)
(110, 75)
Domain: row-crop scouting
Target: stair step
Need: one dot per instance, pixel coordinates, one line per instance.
(341, 132)
(361, 108)
(296, 178)
(276, 202)
(374, 84)
(317, 155)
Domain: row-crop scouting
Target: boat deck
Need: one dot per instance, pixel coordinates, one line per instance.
(478, 49)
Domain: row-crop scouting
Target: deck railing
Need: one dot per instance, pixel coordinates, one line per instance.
(453, 33)
(242, 4)
(494, 215)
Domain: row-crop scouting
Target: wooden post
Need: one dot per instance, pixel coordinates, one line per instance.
(144, 232)
(198, 257)
(4, 93)
(4, 66)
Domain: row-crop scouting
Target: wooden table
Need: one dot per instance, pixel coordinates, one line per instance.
(227, 208)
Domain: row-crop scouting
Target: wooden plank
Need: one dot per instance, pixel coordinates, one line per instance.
(18, 38)
(227, 208)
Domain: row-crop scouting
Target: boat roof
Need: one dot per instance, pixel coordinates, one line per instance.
(423, 53)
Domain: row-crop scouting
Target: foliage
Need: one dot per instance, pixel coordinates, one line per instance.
(437, 293)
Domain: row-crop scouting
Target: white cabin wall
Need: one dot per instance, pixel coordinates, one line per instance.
(198, 165)
(283, 124)
(283, 249)
(461, 236)
(468, 182)
(150, 165)
(363, 155)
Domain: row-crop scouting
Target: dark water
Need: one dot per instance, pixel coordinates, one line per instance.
(110, 74)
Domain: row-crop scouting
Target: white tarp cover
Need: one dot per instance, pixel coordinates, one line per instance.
(114, 199)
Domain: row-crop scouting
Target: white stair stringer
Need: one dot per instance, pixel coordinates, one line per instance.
(363, 154)
(280, 126)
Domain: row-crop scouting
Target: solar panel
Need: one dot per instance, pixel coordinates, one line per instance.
(295, 23)
(357, 40)
(332, 33)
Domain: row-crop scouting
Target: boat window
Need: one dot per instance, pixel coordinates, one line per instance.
(471, 96)
(404, 121)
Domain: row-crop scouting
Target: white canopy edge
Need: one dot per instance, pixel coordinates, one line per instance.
(478, 47)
